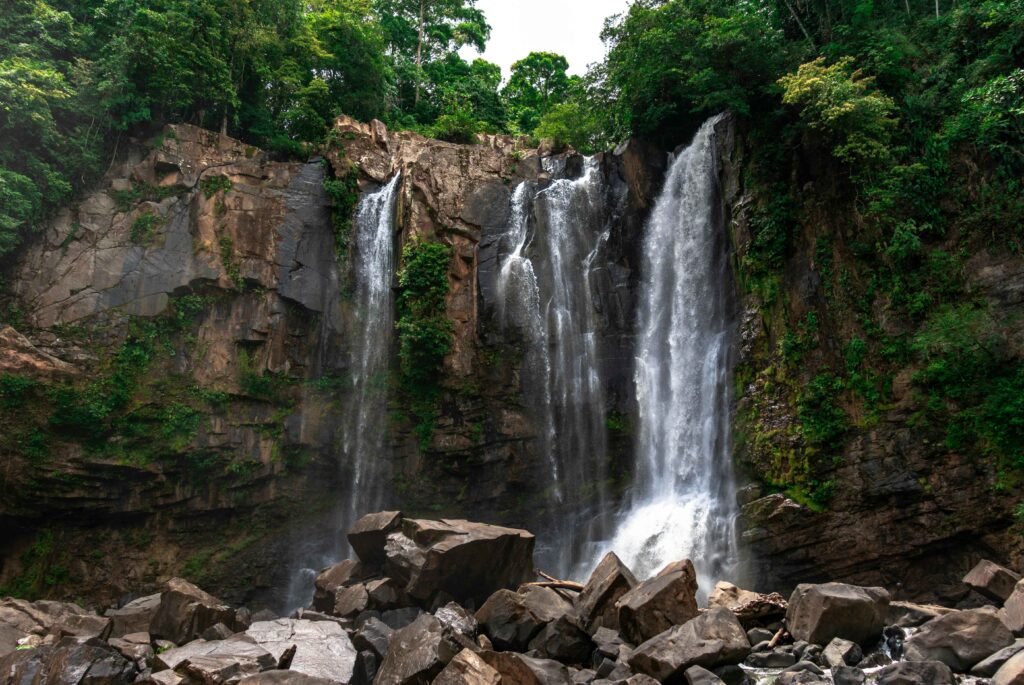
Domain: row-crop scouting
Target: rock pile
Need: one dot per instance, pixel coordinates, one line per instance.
(454, 602)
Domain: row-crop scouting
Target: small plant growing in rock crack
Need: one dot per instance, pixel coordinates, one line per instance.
(212, 185)
(144, 228)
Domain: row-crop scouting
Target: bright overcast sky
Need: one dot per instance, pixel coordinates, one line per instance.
(568, 27)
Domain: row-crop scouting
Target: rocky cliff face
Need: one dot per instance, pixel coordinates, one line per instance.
(176, 370)
(888, 502)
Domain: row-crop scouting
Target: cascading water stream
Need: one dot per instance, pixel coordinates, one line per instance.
(364, 435)
(544, 293)
(683, 502)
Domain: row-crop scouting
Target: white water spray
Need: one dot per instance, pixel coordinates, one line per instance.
(683, 503)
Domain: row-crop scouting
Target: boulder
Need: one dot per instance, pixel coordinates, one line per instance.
(185, 612)
(655, 605)
(20, 619)
(840, 652)
(610, 580)
(374, 636)
(331, 579)
(240, 650)
(818, 613)
(712, 639)
(751, 608)
(139, 651)
(1012, 672)
(992, 580)
(517, 669)
(323, 648)
(71, 661)
(848, 675)
(563, 640)
(511, 619)
(468, 669)
(466, 561)
(1012, 612)
(960, 639)
(416, 653)
(350, 601)
(133, 617)
(456, 620)
(695, 675)
(774, 659)
(986, 668)
(916, 673)
(369, 535)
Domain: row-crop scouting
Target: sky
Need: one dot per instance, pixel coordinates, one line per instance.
(568, 27)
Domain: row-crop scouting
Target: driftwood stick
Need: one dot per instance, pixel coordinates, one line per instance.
(778, 638)
(558, 585)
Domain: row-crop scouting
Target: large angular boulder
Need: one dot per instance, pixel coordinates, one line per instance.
(1012, 612)
(334, 578)
(369, 535)
(1012, 672)
(610, 580)
(467, 668)
(71, 661)
(511, 619)
(563, 640)
(133, 617)
(695, 675)
(916, 673)
(416, 654)
(987, 667)
(241, 650)
(20, 619)
(992, 580)
(960, 639)
(818, 613)
(655, 605)
(712, 639)
(518, 669)
(185, 612)
(465, 560)
(840, 652)
(322, 648)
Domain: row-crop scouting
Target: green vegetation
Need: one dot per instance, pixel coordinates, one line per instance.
(343, 193)
(424, 332)
(44, 568)
(212, 185)
(144, 228)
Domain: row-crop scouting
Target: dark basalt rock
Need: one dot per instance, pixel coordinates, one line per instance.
(512, 619)
(992, 580)
(416, 653)
(610, 580)
(655, 605)
(960, 639)
(916, 673)
(818, 613)
(72, 661)
(185, 612)
(712, 639)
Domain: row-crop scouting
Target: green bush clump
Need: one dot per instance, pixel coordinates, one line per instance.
(144, 228)
(212, 185)
(343, 193)
(424, 332)
(14, 388)
(822, 421)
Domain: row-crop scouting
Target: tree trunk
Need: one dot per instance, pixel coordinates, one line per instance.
(800, 23)
(906, 3)
(936, 9)
(419, 52)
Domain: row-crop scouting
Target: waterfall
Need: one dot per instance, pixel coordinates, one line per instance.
(683, 504)
(545, 295)
(364, 436)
